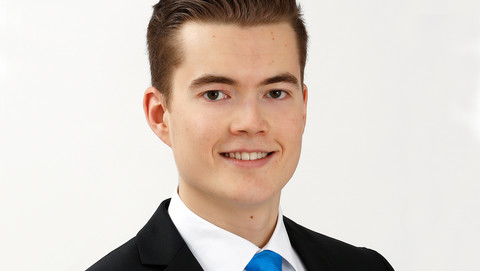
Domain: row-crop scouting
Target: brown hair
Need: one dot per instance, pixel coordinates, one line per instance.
(169, 15)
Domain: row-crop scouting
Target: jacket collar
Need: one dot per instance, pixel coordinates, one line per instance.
(159, 243)
(311, 254)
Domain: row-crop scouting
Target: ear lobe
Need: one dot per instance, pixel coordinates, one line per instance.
(156, 112)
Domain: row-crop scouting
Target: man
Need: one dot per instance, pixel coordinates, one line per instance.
(228, 98)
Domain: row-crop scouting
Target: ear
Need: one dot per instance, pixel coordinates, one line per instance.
(305, 100)
(156, 112)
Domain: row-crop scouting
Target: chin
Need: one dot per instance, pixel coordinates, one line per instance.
(254, 195)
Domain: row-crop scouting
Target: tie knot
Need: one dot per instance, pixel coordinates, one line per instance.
(266, 260)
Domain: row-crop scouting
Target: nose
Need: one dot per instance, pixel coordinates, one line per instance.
(249, 119)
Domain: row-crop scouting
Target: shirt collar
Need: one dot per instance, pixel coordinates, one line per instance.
(280, 243)
(217, 249)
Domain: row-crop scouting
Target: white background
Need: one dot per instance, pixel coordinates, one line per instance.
(391, 156)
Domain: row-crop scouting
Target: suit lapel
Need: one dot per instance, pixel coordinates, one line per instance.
(184, 260)
(160, 243)
(311, 255)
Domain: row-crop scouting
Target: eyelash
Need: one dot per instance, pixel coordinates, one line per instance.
(223, 96)
(283, 94)
(205, 95)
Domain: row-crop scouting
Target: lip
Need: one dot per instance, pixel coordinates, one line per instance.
(247, 150)
(248, 163)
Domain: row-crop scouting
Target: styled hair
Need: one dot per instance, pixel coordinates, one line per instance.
(169, 15)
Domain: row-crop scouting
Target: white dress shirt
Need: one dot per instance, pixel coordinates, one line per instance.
(219, 250)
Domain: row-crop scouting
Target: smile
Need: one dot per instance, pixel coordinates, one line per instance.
(246, 155)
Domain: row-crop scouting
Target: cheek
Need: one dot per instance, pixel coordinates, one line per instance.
(195, 132)
(291, 126)
(292, 132)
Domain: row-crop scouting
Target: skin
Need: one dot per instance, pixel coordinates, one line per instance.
(234, 91)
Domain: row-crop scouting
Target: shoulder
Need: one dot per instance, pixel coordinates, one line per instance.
(337, 254)
(153, 248)
(125, 257)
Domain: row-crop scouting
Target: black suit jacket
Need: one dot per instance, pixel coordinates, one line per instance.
(159, 246)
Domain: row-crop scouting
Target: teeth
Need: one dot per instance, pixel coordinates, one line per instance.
(246, 155)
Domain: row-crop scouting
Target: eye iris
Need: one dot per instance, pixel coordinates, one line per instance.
(213, 95)
(275, 93)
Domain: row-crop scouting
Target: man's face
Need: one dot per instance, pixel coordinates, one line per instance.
(237, 112)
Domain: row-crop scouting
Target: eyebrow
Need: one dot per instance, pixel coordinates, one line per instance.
(212, 79)
(284, 77)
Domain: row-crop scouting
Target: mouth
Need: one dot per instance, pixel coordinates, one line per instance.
(246, 156)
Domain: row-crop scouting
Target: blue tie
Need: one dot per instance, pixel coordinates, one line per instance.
(266, 260)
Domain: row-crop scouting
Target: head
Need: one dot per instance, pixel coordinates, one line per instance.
(165, 54)
(228, 96)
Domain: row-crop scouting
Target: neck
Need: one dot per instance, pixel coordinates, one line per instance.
(254, 222)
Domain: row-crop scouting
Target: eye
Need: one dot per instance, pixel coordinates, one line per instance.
(214, 95)
(276, 94)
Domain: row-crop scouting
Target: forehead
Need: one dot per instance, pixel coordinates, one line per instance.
(252, 52)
